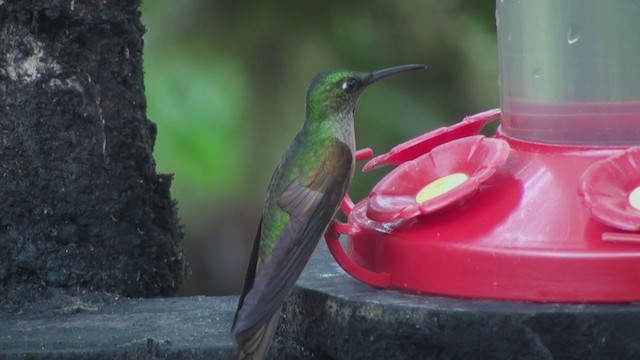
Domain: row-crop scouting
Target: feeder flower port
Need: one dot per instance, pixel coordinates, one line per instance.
(610, 190)
(443, 177)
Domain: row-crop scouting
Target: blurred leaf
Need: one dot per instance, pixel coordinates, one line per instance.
(199, 108)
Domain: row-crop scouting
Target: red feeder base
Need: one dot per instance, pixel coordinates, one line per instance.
(525, 234)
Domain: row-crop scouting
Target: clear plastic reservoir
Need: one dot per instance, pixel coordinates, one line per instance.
(570, 70)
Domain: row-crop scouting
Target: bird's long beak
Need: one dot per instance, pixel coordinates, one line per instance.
(380, 74)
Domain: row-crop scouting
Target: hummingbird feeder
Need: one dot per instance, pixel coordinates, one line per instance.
(548, 208)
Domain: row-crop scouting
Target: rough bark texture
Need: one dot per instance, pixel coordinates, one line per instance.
(81, 205)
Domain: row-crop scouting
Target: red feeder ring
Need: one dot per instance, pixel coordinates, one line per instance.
(525, 234)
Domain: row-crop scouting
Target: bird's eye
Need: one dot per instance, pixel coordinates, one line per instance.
(349, 85)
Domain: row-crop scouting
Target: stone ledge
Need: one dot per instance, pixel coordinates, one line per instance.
(329, 316)
(337, 317)
(163, 328)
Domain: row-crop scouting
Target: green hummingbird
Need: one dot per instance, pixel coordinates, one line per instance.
(303, 196)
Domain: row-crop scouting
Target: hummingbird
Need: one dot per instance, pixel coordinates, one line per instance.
(303, 196)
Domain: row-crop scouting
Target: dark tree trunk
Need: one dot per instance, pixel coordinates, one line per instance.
(81, 205)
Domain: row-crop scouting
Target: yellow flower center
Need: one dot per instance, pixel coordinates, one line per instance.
(447, 183)
(634, 198)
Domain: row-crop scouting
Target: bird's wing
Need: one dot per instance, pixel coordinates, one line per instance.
(311, 202)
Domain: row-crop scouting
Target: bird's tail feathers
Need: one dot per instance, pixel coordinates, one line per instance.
(254, 346)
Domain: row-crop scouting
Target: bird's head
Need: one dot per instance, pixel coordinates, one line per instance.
(337, 92)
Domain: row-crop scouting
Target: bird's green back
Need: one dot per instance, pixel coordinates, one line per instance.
(304, 157)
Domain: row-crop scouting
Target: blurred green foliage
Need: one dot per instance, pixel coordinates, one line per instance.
(201, 120)
(225, 83)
